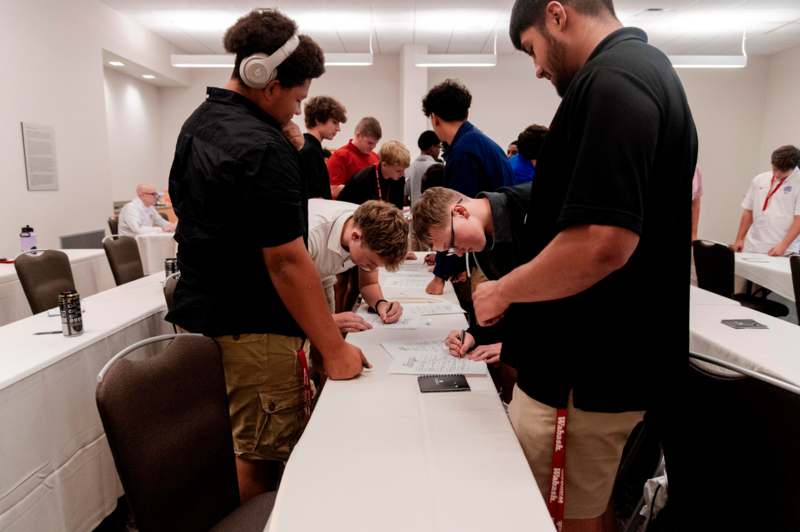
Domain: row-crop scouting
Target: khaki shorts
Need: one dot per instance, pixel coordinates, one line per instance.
(594, 446)
(265, 393)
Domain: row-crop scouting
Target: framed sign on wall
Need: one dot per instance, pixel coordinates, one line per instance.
(39, 145)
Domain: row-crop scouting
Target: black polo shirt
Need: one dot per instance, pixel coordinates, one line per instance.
(621, 151)
(365, 185)
(314, 169)
(236, 187)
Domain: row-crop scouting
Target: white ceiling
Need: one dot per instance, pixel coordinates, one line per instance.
(469, 26)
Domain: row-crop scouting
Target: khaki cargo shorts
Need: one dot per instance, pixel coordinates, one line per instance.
(266, 399)
(594, 447)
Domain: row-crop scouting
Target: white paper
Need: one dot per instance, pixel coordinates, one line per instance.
(406, 321)
(408, 282)
(432, 309)
(429, 358)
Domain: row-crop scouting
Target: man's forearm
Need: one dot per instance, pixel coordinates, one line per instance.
(370, 288)
(744, 224)
(296, 280)
(574, 261)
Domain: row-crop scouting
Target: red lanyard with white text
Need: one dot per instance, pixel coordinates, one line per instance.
(301, 355)
(378, 182)
(772, 191)
(558, 475)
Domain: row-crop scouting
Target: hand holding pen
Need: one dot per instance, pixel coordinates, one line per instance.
(459, 343)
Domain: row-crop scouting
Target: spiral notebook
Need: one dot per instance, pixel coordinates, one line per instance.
(442, 383)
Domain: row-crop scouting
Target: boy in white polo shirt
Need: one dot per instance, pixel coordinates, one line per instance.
(342, 235)
(770, 222)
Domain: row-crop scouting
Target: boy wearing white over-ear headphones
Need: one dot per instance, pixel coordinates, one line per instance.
(247, 279)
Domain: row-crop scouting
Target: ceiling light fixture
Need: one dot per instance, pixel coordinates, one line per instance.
(148, 76)
(712, 61)
(458, 60)
(116, 63)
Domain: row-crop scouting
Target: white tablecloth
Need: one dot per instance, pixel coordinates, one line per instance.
(698, 296)
(57, 473)
(773, 273)
(774, 351)
(154, 248)
(89, 269)
(378, 455)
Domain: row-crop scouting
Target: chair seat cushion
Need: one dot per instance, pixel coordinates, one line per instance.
(773, 308)
(252, 516)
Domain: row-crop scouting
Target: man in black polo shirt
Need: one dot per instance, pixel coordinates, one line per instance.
(323, 116)
(246, 277)
(602, 309)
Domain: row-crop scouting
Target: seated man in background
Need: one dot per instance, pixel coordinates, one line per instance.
(529, 143)
(382, 181)
(430, 147)
(140, 216)
(356, 155)
(770, 221)
(490, 226)
(323, 116)
(342, 235)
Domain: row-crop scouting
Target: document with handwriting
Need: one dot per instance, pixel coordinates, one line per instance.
(429, 358)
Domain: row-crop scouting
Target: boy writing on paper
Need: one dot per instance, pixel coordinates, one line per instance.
(342, 235)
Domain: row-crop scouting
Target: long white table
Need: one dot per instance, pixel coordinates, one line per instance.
(698, 296)
(56, 470)
(379, 455)
(90, 270)
(154, 248)
(773, 273)
(774, 351)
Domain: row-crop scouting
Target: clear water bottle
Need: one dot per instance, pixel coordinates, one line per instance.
(27, 239)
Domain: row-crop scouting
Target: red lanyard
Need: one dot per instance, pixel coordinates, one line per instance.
(378, 182)
(301, 354)
(772, 191)
(558, 476)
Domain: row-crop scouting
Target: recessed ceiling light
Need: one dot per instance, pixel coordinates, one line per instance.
(148, 76)
(655, 9)
(116, 63)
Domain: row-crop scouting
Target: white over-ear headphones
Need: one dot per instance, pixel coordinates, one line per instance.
(259, 69)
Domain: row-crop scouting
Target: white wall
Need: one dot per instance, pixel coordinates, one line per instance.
(364, 91)
(782, 114)
(134, 141)
(52, 54)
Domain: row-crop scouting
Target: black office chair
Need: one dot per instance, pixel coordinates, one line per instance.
(732, 450)
(715, 266)
(123, 257)
(113, 224)
(794, 262)
(44, 274)
(166, 421)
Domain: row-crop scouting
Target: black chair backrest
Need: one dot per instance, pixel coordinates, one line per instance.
(714, 264)
(166, 420)
(123, 257)
(113, 225)
(794, 262)
(732, 452)
(169, 288)
(44, 275)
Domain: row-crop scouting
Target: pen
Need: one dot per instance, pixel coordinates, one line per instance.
(48, 332)
(461, 337)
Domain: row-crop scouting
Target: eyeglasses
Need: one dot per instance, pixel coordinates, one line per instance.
(451, 249)
(155, 194)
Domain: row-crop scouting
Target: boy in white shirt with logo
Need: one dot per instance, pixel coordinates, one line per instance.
(770, 221)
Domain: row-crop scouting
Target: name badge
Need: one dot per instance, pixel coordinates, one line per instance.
(787, 189)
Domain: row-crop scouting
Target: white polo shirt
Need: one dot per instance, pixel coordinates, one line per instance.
(771, 225)
(326, 219)
(137, 219)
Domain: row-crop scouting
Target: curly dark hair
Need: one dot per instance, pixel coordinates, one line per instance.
(449, 100)
(427, 140)
(527, 13)
(530, 141)
(785, 158)
(266, 30)
(320, 109)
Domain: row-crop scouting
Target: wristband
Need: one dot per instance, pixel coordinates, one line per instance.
(378, 302)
